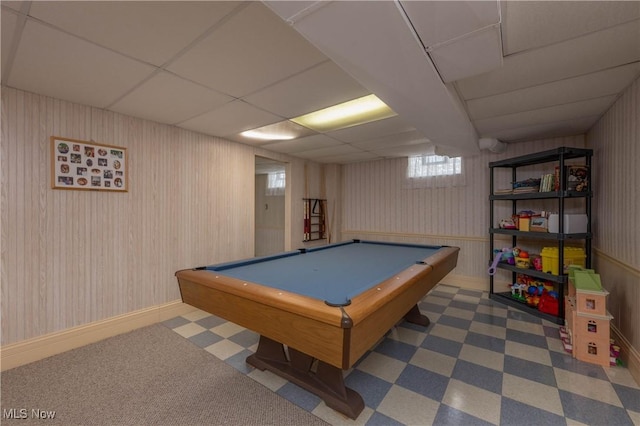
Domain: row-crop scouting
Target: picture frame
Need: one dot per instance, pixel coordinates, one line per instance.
(88, 166)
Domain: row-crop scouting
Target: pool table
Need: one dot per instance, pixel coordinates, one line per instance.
(319, 310)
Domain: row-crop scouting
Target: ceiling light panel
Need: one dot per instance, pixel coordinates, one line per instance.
(352, 113)
(282, 131)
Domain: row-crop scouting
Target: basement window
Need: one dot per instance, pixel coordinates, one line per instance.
(276, 182)
(434, 171)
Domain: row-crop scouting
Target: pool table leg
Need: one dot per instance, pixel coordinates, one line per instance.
(326, 381)
(414, 316)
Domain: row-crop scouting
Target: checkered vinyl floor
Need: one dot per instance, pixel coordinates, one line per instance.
(477, 363)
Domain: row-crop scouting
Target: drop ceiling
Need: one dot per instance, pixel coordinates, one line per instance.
(453, 71)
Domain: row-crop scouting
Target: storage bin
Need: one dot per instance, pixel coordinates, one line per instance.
(572, 256)
(573, 223)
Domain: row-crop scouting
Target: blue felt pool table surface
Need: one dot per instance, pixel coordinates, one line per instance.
(333, 273)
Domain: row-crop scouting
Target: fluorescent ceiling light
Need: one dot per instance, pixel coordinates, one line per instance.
(352, 113)
(282, 131)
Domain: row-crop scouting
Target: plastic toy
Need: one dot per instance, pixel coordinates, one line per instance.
(517, 291)
(549, 303)
(504, 255)
(507, 224)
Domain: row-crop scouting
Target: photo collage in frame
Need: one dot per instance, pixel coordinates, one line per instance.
(87, 165)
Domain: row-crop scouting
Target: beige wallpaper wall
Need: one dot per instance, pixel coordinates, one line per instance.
(377, 204)
(69, 258)
(616, 143)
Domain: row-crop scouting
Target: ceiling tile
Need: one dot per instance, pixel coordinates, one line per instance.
(347, 158)
(487, 127)
(580, 88)
(230, 119)
(169, 99)
(413, 137)
(532, 24)
(303, 144)
(470, 55)
(593, 52)
(253, 49)
(151, 31)
(329, 151)
(292, 9)
(372, 130)
(550, 129)
(439, 21)
(316, 88)
(56, 64)
(15, 5)
(405, 150)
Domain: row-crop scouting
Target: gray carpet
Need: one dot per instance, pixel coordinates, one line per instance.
(148, 376)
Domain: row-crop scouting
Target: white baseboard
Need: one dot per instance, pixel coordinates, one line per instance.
(30, 350)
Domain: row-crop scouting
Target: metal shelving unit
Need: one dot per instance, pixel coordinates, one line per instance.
(557, 156)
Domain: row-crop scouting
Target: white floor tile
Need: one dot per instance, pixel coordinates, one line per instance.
(528, 352)
(190, 329)
(525, 327)
(433, 361)
(408, 407)
(483, 357)
(472, 400)
(227, 329)
(407, 335)
(268, 379)
(538, 395)
(382, 366)
(459, 313)
(496, 310)
(224, 349)
(488, 330)
(443, 301)
(466, 299)
(555, 344)
(588, 387)
(196, 315)
(447, 332)
(334, 418)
